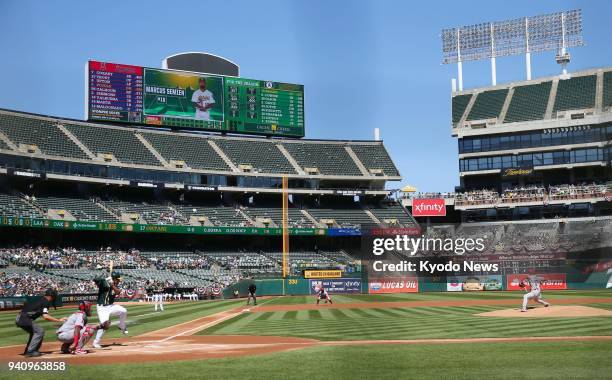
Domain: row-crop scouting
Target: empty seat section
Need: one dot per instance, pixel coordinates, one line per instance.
(375, 157)
(330, 159)
(488, 104)
(576, 93)
(42, 133)
(194, 151)
(121, 143)
(528, 102)
(263, 156)
(459, 104)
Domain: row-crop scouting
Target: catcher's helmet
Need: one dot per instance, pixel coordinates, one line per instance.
(85, 307)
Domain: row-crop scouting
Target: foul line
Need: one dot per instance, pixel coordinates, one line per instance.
(202, 327)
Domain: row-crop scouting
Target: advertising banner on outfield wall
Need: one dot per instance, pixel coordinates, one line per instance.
(474, 283)
(393, 285)
(428, 207)
(550, 281)
(340, 285)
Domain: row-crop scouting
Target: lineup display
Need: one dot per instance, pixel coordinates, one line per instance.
(169, 98)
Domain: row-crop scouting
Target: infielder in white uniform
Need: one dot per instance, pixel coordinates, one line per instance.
(158, 296)
(108, 289)
(535, 292)
(203, 101)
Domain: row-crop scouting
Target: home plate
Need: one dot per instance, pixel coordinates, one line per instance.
(550, 312)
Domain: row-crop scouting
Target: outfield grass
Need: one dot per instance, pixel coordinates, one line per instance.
(412, 322)
(534, 360)
(141, 319)
(440, 296)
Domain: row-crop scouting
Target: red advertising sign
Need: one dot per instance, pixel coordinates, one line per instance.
(392, 231)
(428, 207)
(393, 285)
(550, 281)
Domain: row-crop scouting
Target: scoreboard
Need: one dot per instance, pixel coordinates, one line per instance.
(115, 92)
(179, 99)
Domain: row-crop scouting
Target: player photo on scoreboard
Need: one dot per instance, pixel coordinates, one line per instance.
(180, 95)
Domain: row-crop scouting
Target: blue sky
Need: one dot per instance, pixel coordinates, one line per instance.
(364, 64)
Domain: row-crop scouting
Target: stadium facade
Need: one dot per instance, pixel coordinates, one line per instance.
(186, 210)
(534, 149)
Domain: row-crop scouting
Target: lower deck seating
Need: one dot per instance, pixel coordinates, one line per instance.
(15, 206)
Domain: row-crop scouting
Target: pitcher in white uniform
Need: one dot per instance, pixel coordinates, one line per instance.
(535, 292)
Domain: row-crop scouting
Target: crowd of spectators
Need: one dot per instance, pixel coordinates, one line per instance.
(178, 262)
(28, 283)
(578, 192)
(27, 270)
(44, 257)
(532, 194)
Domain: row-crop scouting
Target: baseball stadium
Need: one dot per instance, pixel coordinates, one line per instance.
(190, 226)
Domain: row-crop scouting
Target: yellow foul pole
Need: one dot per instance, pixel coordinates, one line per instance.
(285, 227)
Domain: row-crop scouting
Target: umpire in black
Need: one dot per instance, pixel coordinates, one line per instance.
(32, 311)
(252, 291)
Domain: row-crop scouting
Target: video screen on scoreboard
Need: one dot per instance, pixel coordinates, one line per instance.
(169, 98)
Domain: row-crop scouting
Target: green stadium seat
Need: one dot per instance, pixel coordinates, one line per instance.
(459, 104)
(375, 157)
(576, 93)
(607, 89)
(488, 104)
(528, 102)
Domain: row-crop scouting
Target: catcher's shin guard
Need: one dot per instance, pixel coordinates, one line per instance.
(86, 334)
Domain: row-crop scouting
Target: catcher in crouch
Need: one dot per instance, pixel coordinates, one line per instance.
(323, 295)
(535, 292)
(108, 289)
(75, 331)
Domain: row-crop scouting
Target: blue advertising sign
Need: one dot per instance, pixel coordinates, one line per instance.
(338, 285)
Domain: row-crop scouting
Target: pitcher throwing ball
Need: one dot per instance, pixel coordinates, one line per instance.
(535, 292)
(108, 289)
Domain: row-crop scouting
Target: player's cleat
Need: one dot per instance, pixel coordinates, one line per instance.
(33, 354)
(65, 349)
(125, 332)
(97, 345)
(523, 311)
(547, 305)
(80, 352)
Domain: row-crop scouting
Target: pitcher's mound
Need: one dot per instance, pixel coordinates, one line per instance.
(550, 312)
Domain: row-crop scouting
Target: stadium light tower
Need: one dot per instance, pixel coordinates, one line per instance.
(556, 31)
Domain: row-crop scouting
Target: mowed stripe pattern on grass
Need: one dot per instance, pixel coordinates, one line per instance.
(405, 323)
(141, 319)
